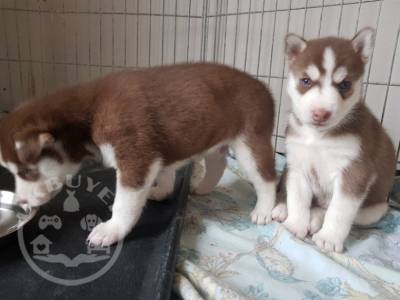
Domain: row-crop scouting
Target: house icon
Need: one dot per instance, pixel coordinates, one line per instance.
(41, 245)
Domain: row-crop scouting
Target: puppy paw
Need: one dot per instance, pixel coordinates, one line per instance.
(158, 194)
(279, 213)
(328, 241)
(106, 234)
(298, 227)
(260, 215)
(317, 219)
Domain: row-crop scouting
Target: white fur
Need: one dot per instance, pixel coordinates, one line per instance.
(108, 155)
(266, 191)
(127, 208)
(339, 74)
(313, 72)
(165, 184)
(52, 177)
(18, 145)
(324, 97)
(364, 41)
(215, 164)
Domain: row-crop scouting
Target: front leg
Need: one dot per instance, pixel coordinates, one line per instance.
(339, 217)
(129, 201)
(299, 197)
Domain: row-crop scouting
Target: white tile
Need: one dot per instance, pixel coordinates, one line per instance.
(34, 36)
(197, 8)
(284, 4)
(106, 40)
(58, 38)
(16, 83)
(183, 7)
(181, 39)
(3, 38)
(119, 39)
(144, 6)
(266, 44)
(396, 66)
(169, 35)
(281, 29)
(375, 99)
(23, 35)
(106, 6)
(253, 46)
(313, 17)
(349, 20)
(144, 34)
(131, 6)
(210, 40)
(389, 23)
(10, 24)
(72, 74)
(69, 5)
(47, 42)
(156, 7)
(48, 78)
(60, 75)
(83, 38)
(7, 3)
(119, 5)
(195, 39)
(70, 38)
(131, 40)
(170, 7)
(81, 5)
(83, 73)
(26, 80)
(368, 15)
(32, 4)
(94, 39)
(230, 39)
(94, 72)
(156, 40)
(299, 4)
(232, 7)
(330, 21)
(5, 95)
(391, 117)
(332, 2)
(37, 78)
(241, 41)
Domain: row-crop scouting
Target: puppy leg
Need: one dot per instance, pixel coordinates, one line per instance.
(215, 166)
(255, 156)
(165, 185)
(339, 217)
(128, 205)
(316, 220)
(299, 197)
(371, 214)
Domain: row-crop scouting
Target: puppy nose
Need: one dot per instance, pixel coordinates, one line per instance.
(320, 115)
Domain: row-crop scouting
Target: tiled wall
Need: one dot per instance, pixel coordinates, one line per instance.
(45, 44)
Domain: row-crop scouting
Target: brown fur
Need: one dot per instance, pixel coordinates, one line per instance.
(171, 112)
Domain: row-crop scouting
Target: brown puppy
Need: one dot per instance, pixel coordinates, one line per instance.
(145, 124)
(337, 152)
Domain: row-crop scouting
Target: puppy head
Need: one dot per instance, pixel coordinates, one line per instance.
(39, 164)
(325, 76)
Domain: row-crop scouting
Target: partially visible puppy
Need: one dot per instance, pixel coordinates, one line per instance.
(340, 160)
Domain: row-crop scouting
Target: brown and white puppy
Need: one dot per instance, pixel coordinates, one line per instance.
(145, 124)
(340, 160)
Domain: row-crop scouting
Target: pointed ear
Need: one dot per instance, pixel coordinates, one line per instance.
(363, 43)
(30, 147)
(294, 45)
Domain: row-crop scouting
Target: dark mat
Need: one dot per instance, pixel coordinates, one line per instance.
(144, 268)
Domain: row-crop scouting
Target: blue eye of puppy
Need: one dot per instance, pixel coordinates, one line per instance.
(344, 86)
(306, 81)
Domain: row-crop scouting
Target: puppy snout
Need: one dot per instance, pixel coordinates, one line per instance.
(321, 115)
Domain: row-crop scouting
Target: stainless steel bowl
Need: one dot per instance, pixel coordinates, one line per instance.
(13, 216)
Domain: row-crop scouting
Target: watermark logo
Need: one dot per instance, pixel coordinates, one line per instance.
(55, 245)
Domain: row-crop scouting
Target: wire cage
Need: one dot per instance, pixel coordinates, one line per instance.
(45, 44)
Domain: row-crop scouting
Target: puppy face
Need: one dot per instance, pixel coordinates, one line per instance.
(325, 76)
(39, 165)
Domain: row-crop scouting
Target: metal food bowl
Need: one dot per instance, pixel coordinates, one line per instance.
(12, 215)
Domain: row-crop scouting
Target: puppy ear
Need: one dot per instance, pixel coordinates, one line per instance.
(363, 43)
(294, 45)
(29, 147)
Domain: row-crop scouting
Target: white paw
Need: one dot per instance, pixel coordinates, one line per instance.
(279, 213)
(317, 219)
(158, 194)
(299, 227)
(260, 215)
(328, 241)
(106, 234)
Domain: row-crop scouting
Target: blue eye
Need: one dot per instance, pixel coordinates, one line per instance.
(344, 86)
(306, 81)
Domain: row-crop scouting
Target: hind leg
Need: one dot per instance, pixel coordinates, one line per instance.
(255, 156)
(215, 166)
(164, 184)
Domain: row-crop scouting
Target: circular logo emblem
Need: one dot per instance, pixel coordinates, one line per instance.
(55, 243)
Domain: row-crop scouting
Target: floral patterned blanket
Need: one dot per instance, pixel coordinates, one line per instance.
(224, 256)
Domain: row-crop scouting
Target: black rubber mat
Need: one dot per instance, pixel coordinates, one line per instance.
(55, 242)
